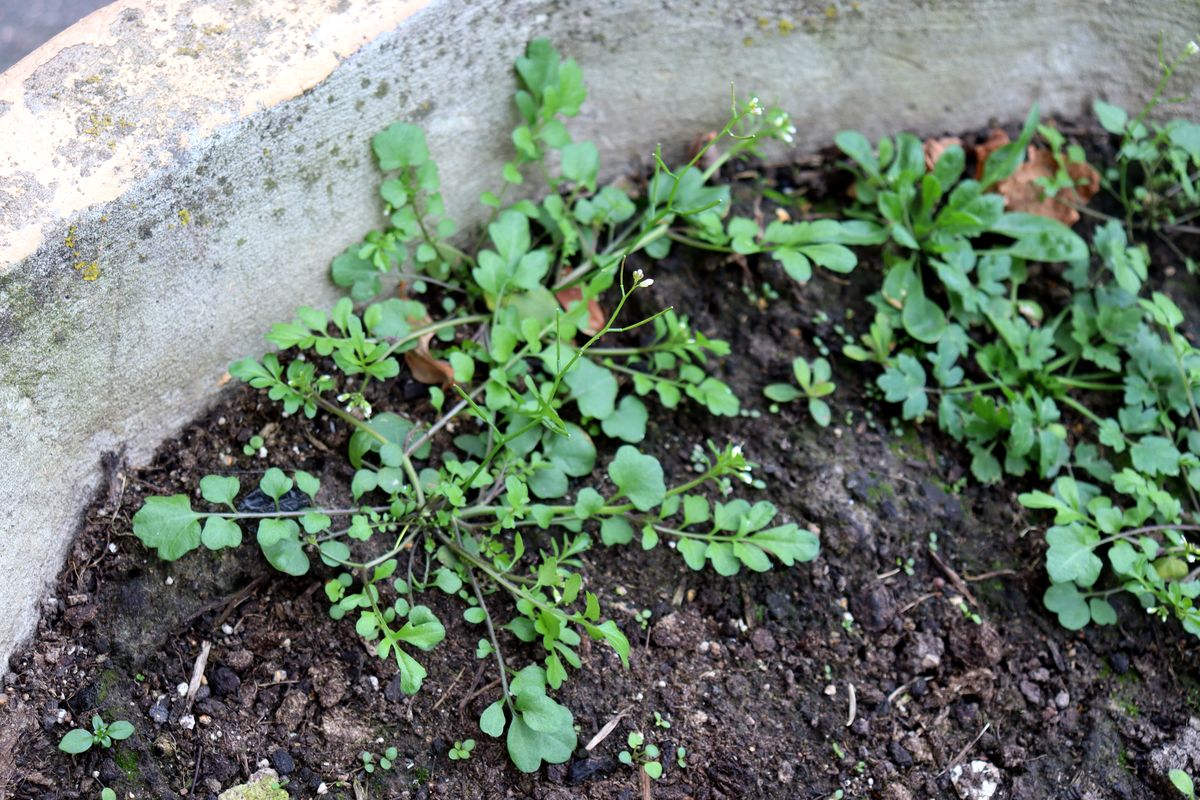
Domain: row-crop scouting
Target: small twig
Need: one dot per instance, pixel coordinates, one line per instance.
(644, 780)
(998, 573)
(963, 753)
(446, 693)
(915, 603)
(853, 704)
(603, 733)
(462, 704)
(954, 578)
(197, 675)
(196, 773)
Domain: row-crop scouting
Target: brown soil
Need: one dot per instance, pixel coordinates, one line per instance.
(858, 672)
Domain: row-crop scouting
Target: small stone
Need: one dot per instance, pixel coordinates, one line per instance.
(394, 690)
(876, 609)
(187, 722)
(164, 744)
(159, 711)
(225, 682)
(787, 772)
(978, 780)
(1031, 691)
(737, 685)
(239, 659)
(182, 689)
(900, 757)
(291, 710)
(1119, 663)
(1062, 699)
(283, 762)
(762, 641)
(925, 652)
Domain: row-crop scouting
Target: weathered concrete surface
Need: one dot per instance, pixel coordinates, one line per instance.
(175, 174)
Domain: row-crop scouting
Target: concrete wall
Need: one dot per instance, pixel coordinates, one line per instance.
(175, 175)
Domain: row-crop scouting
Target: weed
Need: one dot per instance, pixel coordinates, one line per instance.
(80, 740)
(640, 755)
(462, 750)
(508, 335)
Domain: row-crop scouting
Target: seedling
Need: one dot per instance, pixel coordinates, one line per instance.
(462, 750)
(813, 381)
(660, 721)
(681, 757)
(642, 756)
(80, 740)
(384, 761)
(1183, 782)
(107, 794)
(254, 445)
(966, 611)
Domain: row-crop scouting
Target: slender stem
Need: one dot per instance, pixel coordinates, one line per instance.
(329, 512)
(487, 619)
(697, 244)
(1146, 529)
(405, 460)
(1075, 383)
(432, 328)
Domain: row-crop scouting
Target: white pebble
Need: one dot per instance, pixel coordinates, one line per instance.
(170, 580)
(187, 722)
(182, 689)
(112, 547)
(227, 629)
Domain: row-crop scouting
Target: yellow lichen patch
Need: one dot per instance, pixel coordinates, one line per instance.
(90, 270)
(831, 11)
(764, 23)
(185, 217)
(97, 124)
(214, 30)
(786, 26)
(71, 241)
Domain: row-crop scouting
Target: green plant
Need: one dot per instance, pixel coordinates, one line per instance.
(814, 384)
(642, 756)
(660, 721)
(505, 506)
(384, 761)
(462, 750)
(107, 794)
(1027, 389)
(80, 740)
(1183, 782)
(254, 445)
(1154, 177)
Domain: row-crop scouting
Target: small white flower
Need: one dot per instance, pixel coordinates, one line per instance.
(637, 275)
(1192, 48)
(647, 283)
(754, 107)
(1151, 610)
(737, 450)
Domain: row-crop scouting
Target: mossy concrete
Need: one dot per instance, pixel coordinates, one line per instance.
(175, 175)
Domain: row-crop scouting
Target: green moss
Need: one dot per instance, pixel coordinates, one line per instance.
(265, 788)
(126, 760)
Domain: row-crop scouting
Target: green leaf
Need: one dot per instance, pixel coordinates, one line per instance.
(1155, 455)
(168, 525)
(275, 484)
(573, 453)
(400, 145)
(923, 319)
(789, 543)
(423, 629)
(905, 382)
(615, 530)
(782, 392)
(120, 729)
(1071, 556)
(76, 741)
(1181, 780)
(219, 490)
(1004, 161)
(594, 388)
(492, 720)
(580, 163)
(359, 274)
(279, 540)
(1112, 118)
(638, 477)
(307, 483)
(588, 503)
(1102, 611)
(694, 552)
(1070, 606)
(447, 580)
(1041, 238)
(628, 421)
(220, 532)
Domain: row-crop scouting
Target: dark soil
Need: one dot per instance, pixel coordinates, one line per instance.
(858, 672)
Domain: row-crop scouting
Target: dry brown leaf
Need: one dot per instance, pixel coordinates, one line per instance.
(996, 139)
(425, 368)
(595, 316)
(933, 149)
(1022, 193)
